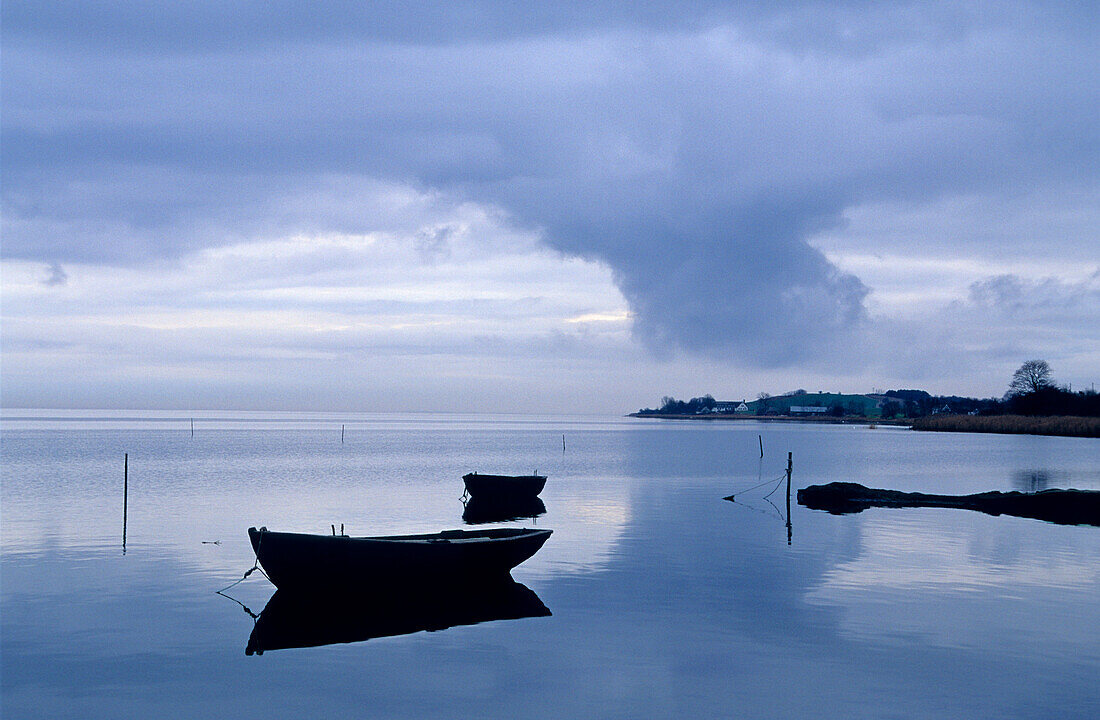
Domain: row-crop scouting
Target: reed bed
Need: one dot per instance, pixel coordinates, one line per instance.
(1066, 425)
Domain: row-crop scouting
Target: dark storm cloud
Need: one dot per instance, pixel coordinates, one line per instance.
(693, 148)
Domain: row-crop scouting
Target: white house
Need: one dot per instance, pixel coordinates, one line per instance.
(809, 409)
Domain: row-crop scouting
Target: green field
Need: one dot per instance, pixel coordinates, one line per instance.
(852, 404)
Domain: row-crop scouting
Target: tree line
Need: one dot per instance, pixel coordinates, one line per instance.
(1034, 392)
(1031, 391)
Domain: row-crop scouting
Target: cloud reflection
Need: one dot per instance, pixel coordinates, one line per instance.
(936, 579)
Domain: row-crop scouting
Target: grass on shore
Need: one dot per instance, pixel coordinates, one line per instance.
(1065, 425)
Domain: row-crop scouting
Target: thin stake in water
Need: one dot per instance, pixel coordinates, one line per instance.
(125, 494)
(789, 467)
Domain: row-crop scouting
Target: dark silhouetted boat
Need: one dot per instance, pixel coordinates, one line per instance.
(503, 486)
(294, 621)
(487, 509)
(305, 562)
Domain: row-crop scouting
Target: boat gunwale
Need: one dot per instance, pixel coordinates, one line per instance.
(492, 476)
(452, 536)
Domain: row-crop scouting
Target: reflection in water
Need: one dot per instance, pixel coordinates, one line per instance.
(1031, 480)
(291, 621)
(666, 603)
(785, 517)
(908, 579)
(488, 510)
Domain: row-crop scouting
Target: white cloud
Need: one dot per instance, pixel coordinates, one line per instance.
(788, 194)
(273, 314)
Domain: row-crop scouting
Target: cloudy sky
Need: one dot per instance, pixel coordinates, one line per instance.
(524, 207)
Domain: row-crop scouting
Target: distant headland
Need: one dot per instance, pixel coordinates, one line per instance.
(1033, 405)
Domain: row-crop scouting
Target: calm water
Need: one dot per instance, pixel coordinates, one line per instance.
(666, 600)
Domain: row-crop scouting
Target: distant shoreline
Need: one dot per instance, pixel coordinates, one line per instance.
(1058, 425)
(850, 420)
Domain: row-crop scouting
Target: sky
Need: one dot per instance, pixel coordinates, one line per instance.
(576, 207)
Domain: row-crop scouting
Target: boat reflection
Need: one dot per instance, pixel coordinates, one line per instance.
(298, 621)
(488, 510)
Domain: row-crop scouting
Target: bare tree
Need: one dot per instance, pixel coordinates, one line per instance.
(1032, 376)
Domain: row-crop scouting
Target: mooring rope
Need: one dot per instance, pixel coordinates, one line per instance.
(248, 610)
(772, 491)
(254, 568)
(777, 514)
(251, 570)
(766, 482)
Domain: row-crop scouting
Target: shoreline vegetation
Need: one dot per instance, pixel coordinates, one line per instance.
(1062, 425)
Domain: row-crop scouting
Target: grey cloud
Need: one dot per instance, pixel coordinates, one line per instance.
(978, 342)
(57, 275)
(1049, 298)
(432, 244)
(155, 26)
(1052, 223)
(854, 26)
(201, 25)
(694, 149)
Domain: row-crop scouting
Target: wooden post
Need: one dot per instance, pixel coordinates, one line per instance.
(563, 443)
(192, 427)
(125, 494)
(761, 439)
(341, 434)
(789, 466)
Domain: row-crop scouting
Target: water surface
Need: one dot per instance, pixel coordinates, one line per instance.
(665, 600)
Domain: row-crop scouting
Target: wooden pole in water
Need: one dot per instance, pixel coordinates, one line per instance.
(789, 467)
(563, 442)
(761, 439)
(125, 494)
(341, 434)
(192, 427)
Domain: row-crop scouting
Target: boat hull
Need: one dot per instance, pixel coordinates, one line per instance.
(504, 486)
(304, 563)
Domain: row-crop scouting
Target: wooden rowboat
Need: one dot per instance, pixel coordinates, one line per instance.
(503, 486)
(303, 562)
